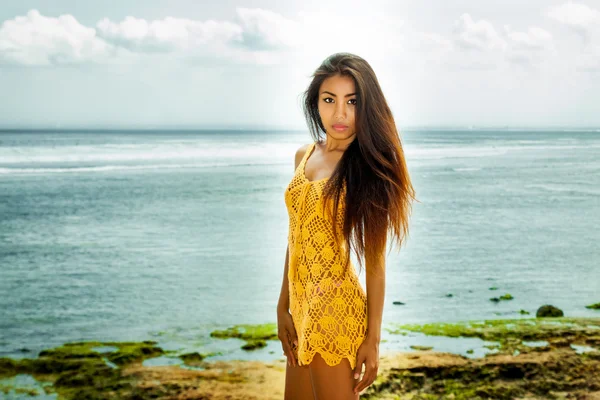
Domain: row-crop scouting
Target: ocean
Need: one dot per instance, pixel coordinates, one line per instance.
(167, 235)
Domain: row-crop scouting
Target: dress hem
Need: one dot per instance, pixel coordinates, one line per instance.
(337, 362)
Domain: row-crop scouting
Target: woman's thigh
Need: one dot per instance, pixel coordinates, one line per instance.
(297, 383)
(332, 383)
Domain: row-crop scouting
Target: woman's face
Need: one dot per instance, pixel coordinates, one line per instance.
(337, 102)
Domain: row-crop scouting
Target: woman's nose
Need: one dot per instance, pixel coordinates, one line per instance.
(340, 113)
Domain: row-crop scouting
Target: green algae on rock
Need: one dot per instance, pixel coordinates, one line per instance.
(422, 348)
(554, 373)
(248, 332)
(254, 335)
(511, 332)
(594, 306)
(506, 296)
(77, 371)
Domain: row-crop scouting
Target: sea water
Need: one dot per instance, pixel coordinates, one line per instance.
(136, 235)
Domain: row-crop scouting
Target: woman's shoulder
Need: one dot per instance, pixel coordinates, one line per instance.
(301, 152)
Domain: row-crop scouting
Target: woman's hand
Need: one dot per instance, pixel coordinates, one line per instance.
(368, 353)
(287, 335)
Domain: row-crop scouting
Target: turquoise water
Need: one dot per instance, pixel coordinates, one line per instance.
(157, 235)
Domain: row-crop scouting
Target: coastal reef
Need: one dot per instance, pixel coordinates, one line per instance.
(533, 358)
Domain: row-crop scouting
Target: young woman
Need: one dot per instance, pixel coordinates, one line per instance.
(349, 190)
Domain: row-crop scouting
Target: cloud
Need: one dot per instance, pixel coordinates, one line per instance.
(256, 36)
(38, 40)
(260, 36)
(166, 35)
(253, 30)
(476, 35)
(266, 30)
(585, 21)
(479, 44)
(528, 47)
(579, 17)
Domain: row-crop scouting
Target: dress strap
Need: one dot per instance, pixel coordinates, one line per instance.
(307, 154)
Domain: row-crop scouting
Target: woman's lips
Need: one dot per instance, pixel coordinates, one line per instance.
(340, 128)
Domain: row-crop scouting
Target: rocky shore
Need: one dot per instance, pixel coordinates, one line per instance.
(532, 358)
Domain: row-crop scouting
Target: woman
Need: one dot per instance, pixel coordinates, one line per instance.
(328, 325)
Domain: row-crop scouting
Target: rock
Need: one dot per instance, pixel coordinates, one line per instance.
(192, 358)
(561, 342)
(506, 296)
(398, 303)
(254, 344)
(548, 310)
(418, 347)
(594, 306)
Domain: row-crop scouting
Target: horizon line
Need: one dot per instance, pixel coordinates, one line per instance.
(276, 128)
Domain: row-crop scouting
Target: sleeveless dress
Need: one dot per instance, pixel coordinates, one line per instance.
(327, 302)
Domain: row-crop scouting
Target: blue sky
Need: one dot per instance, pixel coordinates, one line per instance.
(244, 64)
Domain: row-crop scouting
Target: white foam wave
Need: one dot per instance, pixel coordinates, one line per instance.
(466, 169)
(104, 168)
(166, 154)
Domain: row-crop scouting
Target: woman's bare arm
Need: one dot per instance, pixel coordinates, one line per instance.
(284, 297)
(375, 299)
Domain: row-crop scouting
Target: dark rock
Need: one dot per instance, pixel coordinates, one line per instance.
(549, 311)
(254, 344)
(192, 357)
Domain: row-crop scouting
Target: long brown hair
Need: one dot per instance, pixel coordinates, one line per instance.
(372, 174)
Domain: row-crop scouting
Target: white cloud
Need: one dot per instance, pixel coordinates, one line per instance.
(585, 21)
(255, 37)
(253, 30)
(529, 47)
(476, 35)
(267, 30)
(480, 45)
(38, 40)
(535, 39)
(577, 16)
(168, 34)
(259, 36)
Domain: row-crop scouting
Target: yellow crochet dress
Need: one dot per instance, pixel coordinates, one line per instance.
(327, 303)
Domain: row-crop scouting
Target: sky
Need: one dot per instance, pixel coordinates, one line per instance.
(244, 65)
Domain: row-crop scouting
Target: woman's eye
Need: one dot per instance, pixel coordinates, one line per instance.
(329, 98)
